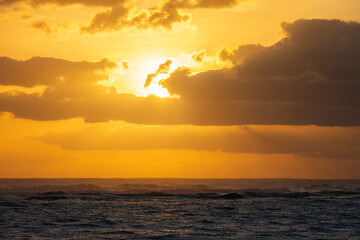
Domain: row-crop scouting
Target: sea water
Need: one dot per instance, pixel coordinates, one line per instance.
(179, 209)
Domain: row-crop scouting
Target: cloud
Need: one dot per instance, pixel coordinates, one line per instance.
(237, 55)
(215, 3)
(97, 103)
(43, 26)
(9, 2)
(125, 65)
(199, 57)
(305, 141)
(111, 3)
(164, 68)
(309, 77)
(51, 72)
(165, 15)
(149, 79)
(122, 13)
(112, 19)
(316, 65)
(118, 17)
(37, 3)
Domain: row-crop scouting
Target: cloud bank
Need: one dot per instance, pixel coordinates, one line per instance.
(316, 65)
(309, 77)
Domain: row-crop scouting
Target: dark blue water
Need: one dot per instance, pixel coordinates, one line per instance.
(179, 209)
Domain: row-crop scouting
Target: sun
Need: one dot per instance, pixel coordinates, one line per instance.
(132, 79)
(156, 89)
(149, 65)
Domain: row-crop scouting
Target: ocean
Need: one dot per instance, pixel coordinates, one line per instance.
(179, 209)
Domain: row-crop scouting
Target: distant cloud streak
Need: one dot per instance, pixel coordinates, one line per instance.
(305, 141)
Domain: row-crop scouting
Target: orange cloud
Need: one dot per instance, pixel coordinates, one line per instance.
(112, 19)
(198, 57)
(118, 16)
(125, 65)
(163, 69)
(51, 71)
(37, 3)
(43, 26)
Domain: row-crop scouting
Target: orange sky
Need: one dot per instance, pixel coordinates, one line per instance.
(180, 88)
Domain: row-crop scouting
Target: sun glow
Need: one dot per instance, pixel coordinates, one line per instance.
(156, 89)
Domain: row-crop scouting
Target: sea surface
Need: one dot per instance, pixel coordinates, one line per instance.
(179, 209)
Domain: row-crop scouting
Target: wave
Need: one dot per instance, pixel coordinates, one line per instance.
(58, 189)
(60, 195)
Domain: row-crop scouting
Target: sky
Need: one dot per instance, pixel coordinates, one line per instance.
(180, 89)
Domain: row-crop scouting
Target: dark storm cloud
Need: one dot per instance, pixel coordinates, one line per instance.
(305, 141)
(317, 65)
(310, 77)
